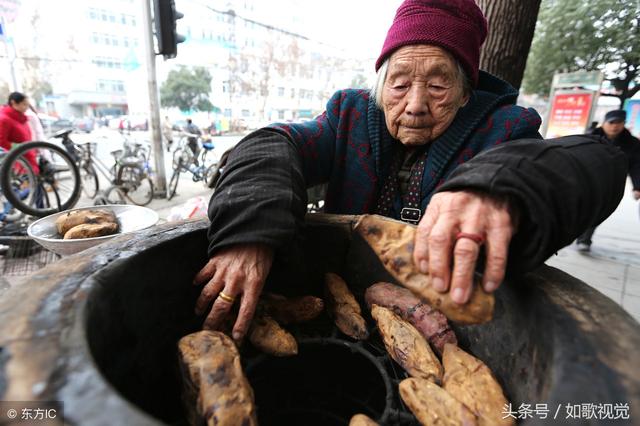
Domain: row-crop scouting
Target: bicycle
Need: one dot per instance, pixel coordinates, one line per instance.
(8, 213)
(130, 175)
(39, 178)
(184, 160)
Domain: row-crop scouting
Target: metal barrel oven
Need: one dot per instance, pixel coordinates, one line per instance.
(98, 331)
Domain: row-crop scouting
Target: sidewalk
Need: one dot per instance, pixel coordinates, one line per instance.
(613, 264)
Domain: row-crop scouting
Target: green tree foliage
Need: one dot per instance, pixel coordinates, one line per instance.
(187, 89)
(589, 35)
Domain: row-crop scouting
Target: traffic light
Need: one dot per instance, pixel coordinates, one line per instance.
(165, 17)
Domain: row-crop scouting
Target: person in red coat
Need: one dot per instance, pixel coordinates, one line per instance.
(14, 125)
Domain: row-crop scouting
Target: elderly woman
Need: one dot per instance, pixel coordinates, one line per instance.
(434, 144)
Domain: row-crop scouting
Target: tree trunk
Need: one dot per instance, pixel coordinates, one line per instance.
(511, 27)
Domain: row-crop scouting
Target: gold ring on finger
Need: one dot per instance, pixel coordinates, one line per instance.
(226, 298)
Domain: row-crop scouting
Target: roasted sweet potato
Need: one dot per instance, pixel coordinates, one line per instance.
(362, 420)
(406, 345)
(344, 308)
(433, 406)
(267, 335)
(471, 382)
(393, 242)
(291, 310)
(80, 217)
(216, 390)
(91, 230)
(430, 322)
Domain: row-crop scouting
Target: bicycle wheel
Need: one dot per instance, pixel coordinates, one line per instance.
(209, 174)
(90, 182)
(176, 158)
(136, 185)
(112, 195)
(173, 183)
(23, 179)
(182, 158)
(56, 184)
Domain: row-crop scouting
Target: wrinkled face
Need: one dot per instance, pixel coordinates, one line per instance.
(422, 93)
(21, 106)
(613, 128)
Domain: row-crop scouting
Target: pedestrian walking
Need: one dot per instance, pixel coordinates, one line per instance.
(614, 132)
(167, 132)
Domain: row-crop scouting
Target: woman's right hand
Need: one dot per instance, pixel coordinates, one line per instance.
(239, 273)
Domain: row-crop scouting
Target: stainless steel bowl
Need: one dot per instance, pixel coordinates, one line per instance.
(131, 219)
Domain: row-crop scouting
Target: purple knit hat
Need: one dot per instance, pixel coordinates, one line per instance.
(457, 26)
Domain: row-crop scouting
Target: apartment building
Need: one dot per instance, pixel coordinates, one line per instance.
(263, 67)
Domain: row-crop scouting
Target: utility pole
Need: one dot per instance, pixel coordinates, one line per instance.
(154, 102)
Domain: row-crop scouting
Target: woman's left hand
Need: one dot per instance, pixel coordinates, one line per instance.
(449, 237)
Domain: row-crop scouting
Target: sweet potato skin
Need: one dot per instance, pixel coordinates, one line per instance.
(216, 389)
(292, 310)
(407, 346)
(267, 335)
(91, 230)
(362, 420)
(344, 308)
(433, 406)
(471, 382)
(79, 217)
(430, 322)
(393, 242)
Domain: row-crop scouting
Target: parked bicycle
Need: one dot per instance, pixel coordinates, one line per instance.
(184, 160)
(8, 213)
(129, 176)
(39, 178)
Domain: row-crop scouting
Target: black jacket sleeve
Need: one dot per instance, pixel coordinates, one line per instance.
(560, 186)
(260, 197)
(634, 164)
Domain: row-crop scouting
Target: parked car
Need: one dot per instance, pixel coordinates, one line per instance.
(84, 124)
(61, 124)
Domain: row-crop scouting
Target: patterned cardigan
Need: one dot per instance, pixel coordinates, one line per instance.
(349, 146)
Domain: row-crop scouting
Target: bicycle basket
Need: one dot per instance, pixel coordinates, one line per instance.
(132, 162)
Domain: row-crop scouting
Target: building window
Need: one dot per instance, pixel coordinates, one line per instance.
(246, 113)
(123, 19)
(293, 93)
(280, 114)
(133, 21)
(93, 14)
(110, 86)
(95, 38)
(227, 112)
(281, 91)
